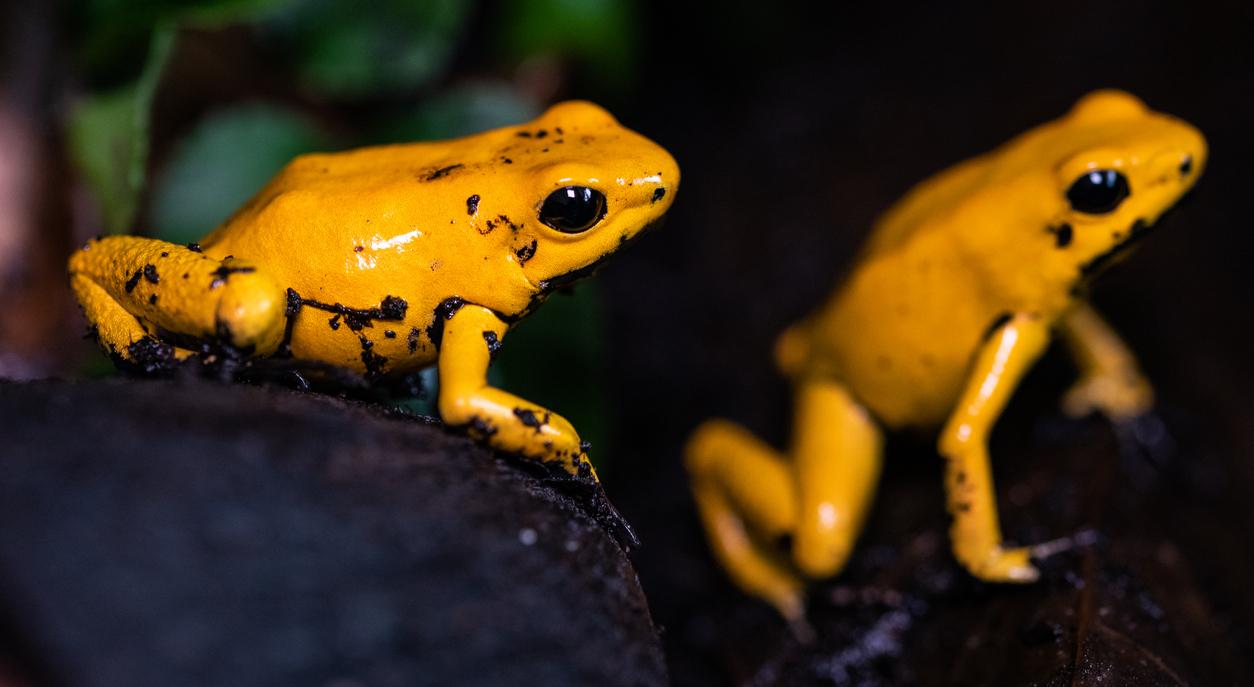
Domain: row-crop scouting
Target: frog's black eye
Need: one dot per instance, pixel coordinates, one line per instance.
(573, 209)
(1098, 192)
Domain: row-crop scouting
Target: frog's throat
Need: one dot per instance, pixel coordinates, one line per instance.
(1138, 231)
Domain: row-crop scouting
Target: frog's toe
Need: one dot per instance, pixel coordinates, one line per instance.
(1012, 565)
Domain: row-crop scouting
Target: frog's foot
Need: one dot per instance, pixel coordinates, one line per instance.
(148, 293)
(1119, 395)
(746, 498)
(998, 564)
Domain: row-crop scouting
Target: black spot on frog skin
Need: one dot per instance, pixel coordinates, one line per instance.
(527, 252)
(358, 249)
(389, 334)
(334, 322)
(528, 417)
(152, 299)
(150, 273)
(443, 171)
(494, 344)
(487, 228)
(443, 312)
(658, 194)
(997, 323)
(134, 280)
(412, 339)
(472, 204)
(1186, 165)
(195, 247)
(224, 272)
(1062, 235)
(507, 161)
(509, 223)
(541, 133)
(165, 253)
(524, 134)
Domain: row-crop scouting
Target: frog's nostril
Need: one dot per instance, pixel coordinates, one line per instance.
(1186, 165)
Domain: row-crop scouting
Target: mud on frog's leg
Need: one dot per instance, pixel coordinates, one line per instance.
(746, 498)
(1008, 353)
(499, 418)
(135, 289)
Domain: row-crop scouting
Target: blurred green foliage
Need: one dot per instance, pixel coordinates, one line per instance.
(600, 34)
(396, 55)
(350, 49)
(222, 162)
(108, 135)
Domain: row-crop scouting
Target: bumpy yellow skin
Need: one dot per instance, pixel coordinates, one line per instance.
(389, 259)
(950, 303)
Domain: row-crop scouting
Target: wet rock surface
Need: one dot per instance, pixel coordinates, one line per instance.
(191, 533)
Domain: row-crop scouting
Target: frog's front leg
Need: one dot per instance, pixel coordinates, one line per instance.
(135, 291)
(1000, 363)
(1110, 380)
(504, 421)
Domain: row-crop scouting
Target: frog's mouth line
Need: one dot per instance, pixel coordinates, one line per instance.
(546, 287)
(1140, 229)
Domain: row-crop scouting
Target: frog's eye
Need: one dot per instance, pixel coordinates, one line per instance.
(573, 209)
(1098, 191)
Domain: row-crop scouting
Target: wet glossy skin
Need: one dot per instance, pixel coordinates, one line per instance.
(389, 259)
(951, 301)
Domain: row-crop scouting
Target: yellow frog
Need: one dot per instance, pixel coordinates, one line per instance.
(952, 300)
(389, 259)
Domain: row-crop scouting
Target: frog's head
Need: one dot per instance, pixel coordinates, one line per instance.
(582, 186)
(1117, 166)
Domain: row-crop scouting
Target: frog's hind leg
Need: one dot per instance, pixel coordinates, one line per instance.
(745, 497)
(837, 455)
(137, 291)
(749, 495)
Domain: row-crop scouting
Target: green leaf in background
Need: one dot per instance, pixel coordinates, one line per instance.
(344, 49)
(556, 357)
(465, 109)
(600, 33)
(112, 33)
(229, 155)
(108, 136)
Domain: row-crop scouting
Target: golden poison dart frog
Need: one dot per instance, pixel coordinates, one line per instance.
(951, 301)
(389, 259)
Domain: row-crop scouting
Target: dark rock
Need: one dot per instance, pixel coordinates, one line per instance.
(203, 534)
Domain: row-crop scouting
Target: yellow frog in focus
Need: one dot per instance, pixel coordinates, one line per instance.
(952, 300)
(389, 259)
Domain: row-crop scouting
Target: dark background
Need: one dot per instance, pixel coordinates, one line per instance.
(793, 128)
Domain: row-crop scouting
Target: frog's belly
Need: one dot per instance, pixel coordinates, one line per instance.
(902, 344)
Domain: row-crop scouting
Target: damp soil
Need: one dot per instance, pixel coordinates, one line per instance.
(196, 533)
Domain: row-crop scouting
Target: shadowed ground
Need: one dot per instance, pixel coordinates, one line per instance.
(193, 533)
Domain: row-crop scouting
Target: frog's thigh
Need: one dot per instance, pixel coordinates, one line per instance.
(178, 290)
(837, 454)
(740, 484)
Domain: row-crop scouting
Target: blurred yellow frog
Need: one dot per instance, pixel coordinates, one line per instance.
(953, 299)
(389, 259)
